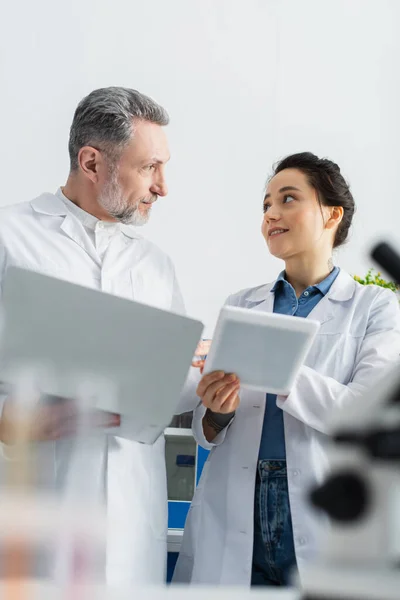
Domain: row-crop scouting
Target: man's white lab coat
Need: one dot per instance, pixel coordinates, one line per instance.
(44, 236)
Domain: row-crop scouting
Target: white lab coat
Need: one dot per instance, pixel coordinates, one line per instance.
(359, 337)
(44, 236)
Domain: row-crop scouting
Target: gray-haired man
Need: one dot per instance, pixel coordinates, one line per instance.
(83, 233)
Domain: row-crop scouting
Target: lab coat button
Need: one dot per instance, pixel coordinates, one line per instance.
(302, 541)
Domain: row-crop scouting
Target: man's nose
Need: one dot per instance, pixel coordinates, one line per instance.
(159, 186)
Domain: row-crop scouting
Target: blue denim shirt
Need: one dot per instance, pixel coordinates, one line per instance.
(286, 303)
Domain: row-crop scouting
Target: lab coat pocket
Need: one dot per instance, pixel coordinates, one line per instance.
(342, 321)
(334, 354)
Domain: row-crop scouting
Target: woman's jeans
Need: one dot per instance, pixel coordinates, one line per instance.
(273, 552)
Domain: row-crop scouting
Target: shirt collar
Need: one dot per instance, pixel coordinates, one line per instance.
(323, 286)
(342, 290)
(55, 206)
(281, 277)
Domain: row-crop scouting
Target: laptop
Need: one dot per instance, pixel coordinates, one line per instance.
(123, 356)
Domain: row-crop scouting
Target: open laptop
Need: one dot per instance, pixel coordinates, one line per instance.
(131, 358)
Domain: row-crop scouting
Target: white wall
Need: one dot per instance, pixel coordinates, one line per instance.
(245, 82)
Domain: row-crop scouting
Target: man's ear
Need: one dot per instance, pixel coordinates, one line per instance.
(90, 161)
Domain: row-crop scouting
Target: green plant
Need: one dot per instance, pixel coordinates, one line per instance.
(373, 278)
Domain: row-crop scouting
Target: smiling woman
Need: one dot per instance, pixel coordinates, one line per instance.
(250, 520)
(308, 209)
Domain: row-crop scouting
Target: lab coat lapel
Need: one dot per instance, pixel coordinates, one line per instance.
(266, 305)
(50, 204)
(322, 312)
(342, 290)
(75, 230)
(261, 298)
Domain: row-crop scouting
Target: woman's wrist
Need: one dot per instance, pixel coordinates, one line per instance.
(218, 421)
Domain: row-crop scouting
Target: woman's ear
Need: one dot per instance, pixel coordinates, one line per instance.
(334, 218)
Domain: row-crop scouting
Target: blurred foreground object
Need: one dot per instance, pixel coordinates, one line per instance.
(45, 533)
(360, 559)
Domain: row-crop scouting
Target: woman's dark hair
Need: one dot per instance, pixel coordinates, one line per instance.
(332, 189)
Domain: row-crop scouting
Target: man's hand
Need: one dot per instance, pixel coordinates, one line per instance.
(219, 392)
(48, 421)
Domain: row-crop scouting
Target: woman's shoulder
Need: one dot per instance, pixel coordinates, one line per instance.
(373, 292)
(368, 301)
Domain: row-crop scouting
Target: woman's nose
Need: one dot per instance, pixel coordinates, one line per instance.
(272, 214)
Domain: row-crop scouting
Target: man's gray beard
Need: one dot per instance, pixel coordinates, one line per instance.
(111, 198)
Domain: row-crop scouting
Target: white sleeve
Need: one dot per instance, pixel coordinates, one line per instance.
(198, 431)
(188, 399)
(200, 411)
(177, 303)
(314, 397)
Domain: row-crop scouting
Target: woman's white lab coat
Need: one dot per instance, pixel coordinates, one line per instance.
(44, 236)
(359, 337)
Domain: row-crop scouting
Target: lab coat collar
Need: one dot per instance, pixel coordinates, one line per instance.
(49, 204)
(342, 289)
(52, 205)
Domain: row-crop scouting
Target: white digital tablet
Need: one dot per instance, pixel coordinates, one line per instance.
(265, 350)
(133, 358)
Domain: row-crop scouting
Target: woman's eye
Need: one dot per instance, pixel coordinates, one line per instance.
(288, 199)
(266, 207)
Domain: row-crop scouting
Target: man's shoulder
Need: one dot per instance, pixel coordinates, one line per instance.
(15, 209)
(14, 215)
(17, 219)
(27, 208)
